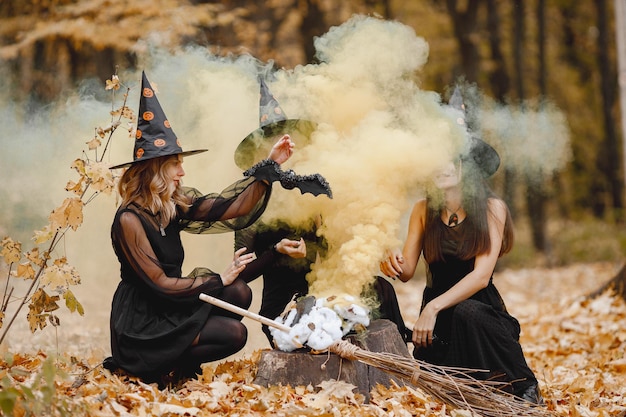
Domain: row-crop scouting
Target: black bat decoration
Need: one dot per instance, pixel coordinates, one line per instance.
(313, 183)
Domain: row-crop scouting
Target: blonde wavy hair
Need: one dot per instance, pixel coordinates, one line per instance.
(148, 185)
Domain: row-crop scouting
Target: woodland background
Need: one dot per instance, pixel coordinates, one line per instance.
(515, 51)
(570, 223)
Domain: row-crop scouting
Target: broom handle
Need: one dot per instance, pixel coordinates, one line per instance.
(243, 312)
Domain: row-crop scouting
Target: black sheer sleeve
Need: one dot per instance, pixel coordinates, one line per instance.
(236, 207)
(246, 238)
(138, 259)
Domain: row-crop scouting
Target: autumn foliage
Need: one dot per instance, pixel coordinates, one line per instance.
(52, 276)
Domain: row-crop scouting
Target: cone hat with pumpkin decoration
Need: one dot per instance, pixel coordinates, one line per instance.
(154, 135)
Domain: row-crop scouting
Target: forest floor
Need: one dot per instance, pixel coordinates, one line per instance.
(575, 345)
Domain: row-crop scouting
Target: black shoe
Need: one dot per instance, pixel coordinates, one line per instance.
(110, 364)
(532, 395)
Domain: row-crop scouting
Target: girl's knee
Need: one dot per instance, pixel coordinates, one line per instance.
(469, 310)
(238, 293)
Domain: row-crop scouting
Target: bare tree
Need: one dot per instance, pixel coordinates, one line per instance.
(610, 155)
(464, 26)
(536, 193)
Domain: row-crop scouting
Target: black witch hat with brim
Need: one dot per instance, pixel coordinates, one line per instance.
(479, 152)
(154, 135)
(273, 123)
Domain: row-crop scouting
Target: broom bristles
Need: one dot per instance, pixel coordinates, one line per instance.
(453, 386)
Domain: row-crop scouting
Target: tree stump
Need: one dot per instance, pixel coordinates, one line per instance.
(296, 368)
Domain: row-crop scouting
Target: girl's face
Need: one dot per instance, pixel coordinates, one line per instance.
(174, 171)
(448, 177)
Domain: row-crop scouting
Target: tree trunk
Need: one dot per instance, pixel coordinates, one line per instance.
(608, 158)
(574, 55)
(536, 194)
(312, 26)
(499, 78)
(518, 82)
(500, 83)
(464, 26)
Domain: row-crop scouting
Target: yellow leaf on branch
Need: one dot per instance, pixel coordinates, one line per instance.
(94, 144)
(40, 304)
(59, 276)
(125, 112)
(35, 320)
(25, 270)
(34, 256)
(72, 303)
(79, 166)
(11, 250)
(43, 235)
(70, 213)
(100, 176)
(113, 83)
(75, 187)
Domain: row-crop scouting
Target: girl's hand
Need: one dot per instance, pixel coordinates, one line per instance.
(423, 328)
(232, 271)
(391, 266)
(293, 248)
(282, 150)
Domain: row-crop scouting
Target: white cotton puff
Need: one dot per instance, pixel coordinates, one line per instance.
(327, 328)
(290, 317)
(301, 331)
(321, 302)
(320, 340)
(283, 340)
(322, 326)
(352, 314)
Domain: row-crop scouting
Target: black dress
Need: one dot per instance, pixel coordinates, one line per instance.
(477, 333)
(283, 276)
(155, 312)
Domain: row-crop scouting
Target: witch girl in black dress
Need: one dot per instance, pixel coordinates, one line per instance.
(160, 330)
(462, 232)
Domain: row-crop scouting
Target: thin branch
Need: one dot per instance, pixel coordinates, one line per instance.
(30, 288)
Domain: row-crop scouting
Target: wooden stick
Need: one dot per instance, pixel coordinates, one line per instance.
(243, 312)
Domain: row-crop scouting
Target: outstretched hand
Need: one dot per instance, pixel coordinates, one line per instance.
(240, 260)
(282, 150)
(293, 248)
(391, 266)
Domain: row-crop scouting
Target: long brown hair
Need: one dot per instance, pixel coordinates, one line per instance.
(475, 239)
(146, 184)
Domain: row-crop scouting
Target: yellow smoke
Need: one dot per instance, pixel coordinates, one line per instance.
(380, 137)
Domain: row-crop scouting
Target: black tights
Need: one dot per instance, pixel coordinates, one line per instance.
(223, 333)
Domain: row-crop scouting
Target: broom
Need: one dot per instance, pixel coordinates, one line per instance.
(451, 385)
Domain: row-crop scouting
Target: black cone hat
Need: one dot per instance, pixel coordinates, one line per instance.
(483, 155)
(273, 123)
(154, 136)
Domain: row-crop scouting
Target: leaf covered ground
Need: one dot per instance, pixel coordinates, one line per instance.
(577, 347)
